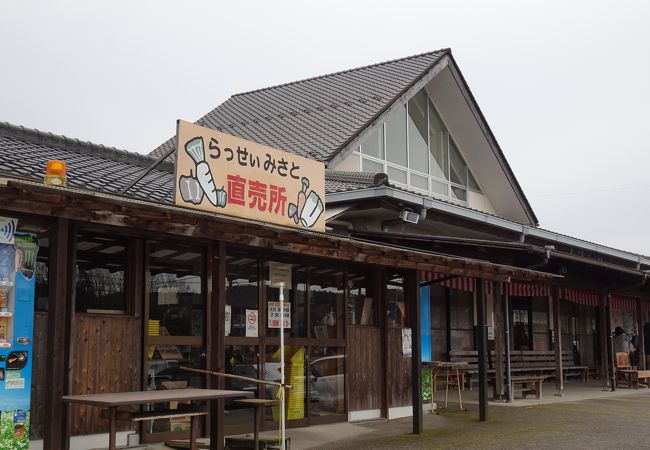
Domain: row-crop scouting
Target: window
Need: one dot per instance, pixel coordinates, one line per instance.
(541, 340)
(362, 299)
(438, 306)
(101, 269)
(294, 297)
(461, 319)
(326, 303)
(396, 314)
(241, 291)
(414, 147)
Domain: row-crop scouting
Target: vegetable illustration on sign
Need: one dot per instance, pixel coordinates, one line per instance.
(193, 188)
(257, 182)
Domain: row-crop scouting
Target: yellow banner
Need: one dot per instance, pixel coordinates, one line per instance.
(217, 172)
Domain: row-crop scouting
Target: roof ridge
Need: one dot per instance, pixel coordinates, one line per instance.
(373, 179)
(36, 136)
(442, 50)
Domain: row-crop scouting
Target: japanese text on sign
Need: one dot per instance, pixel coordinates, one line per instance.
(222, 173)
(274, 314)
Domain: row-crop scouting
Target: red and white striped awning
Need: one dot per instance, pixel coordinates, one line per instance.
(624, 302)
(467, 284)
(645, 306)
(581, 297)
(521, 289)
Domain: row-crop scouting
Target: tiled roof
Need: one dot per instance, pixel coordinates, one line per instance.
(318, 116)
(24, 153)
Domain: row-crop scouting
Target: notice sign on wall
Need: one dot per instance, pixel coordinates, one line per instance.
(279, 275)
(407, 343)
(251, 323)
(217, 172)
(274, 313)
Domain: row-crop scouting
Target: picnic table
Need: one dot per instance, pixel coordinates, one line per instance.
(112, 401)
(454, 374)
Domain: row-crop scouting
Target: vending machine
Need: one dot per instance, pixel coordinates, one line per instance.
(17, 286)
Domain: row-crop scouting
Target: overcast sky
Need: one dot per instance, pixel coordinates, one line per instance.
(564, 85)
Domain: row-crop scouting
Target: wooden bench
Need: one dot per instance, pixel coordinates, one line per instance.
(535, 383)
(523, 362)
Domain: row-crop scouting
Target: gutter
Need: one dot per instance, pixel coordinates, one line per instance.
(480, 217)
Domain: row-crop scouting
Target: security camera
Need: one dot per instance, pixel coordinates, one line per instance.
(409, 216)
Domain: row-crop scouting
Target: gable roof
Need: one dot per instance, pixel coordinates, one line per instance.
(316, 117)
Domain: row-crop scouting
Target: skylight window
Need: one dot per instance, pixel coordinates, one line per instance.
(415, 149)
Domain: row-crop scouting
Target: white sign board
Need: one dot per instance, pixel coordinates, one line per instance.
(228, 318)
(274, 314)
(280, 273)
(7, 230)
(407, 349)
(251, 323)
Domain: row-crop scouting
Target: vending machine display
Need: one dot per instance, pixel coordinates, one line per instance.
(17, 286)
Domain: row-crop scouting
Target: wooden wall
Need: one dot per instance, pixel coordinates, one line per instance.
(398, 370)
(39, 380)
(365, 373)
(106, 359)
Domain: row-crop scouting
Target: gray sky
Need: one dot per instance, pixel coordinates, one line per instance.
(564, 85)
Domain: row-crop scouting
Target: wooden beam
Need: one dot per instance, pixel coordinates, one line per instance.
(602, 337)
(559, 374)
(482, 350)
(498, 340)
(56, 430)
(413, 292)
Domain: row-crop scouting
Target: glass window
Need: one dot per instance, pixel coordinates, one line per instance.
(438, 141)
(294, 299)
(396, 137)
(418, 132)
(396, 314)
(164, 372)
(326, 294)
(457, 164)
(362, 300)
(176, 300)
(439, 188)
(539, 307)
(242, 360)
(241, 291)
(101, 268)
(461, 319)
(521, 324)
(397, 175)
(419, 181)
(471, 182)
(438, 308)
(294, 357)
(326, 381)
(459, 193)
(42, 233)
(370, 166)
(373, 145)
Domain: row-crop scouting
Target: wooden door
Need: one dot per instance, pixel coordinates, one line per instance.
(365, 369)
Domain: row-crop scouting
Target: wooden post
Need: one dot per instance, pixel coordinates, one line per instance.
(413, 292)
(56, 430)
(497, 295)
(506, 325)
(482, 350)
(640, 322)
(603, 331)
(217, 300)
(610, 343)
(559, 372)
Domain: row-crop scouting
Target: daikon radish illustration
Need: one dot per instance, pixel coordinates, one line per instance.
(194, 148)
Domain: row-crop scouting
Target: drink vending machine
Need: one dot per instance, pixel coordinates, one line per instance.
(17, 287)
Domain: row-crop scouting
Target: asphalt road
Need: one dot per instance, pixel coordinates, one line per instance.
(612, 423)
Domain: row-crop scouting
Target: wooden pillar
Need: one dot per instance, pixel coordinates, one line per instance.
(506, 326)
(482, 350)
(216, 336)
(497, 293)
(640, 322)
(413, 292)
(610, 343)
(603, 332)
(559, 372)
(56, 430)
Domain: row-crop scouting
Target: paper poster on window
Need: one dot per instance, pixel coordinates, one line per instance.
(7, 229)
(279, 274)
(168, 296)
(251, 323)
(407, 348)
(228, 319)
(274, 314)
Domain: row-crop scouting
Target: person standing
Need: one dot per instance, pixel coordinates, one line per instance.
(621, 344)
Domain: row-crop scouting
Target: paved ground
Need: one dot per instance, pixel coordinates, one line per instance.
(617, 422)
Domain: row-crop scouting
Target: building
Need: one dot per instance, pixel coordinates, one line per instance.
(422, 212)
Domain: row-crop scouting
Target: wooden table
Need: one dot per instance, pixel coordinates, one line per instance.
(257, 404)
(632, 376)
(112, 401)
(525, 380)
(451, 369)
